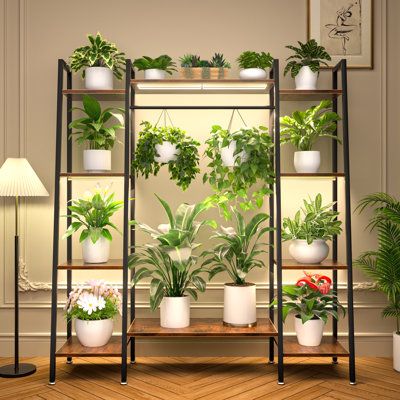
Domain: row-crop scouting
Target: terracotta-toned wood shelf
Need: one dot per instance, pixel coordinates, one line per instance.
(309, 95)
(103, 95)
(72, 348)
(329, 175)
(329, 347)
(200, 327)
(80, 264)
(326, 264)
(85, 175)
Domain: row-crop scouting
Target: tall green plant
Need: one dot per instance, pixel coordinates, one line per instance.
(163, 62)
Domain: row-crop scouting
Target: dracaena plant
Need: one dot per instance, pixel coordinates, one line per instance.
(94, 129)
(252, 59)
(303, 128)
(100, 53)
(163, 62)
(239, 249)
(308, 54)
(170, 261)
(313, 221)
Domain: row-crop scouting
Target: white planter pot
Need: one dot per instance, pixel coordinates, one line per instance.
(96, 253)
(305, 253)
(166, 152)
(253, 73)
(97, 160)
(99, 78)
(175, 312)
(240, 304)
(228, 159)
(94, 333)
(154, 74)
(310, 333)
(306, 79)
(307, 161)
(396, 351)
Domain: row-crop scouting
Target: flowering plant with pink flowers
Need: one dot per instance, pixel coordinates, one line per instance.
(94, 300)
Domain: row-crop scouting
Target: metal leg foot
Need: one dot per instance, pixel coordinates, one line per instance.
(335, 362)
(271, 362)
(133, 362)
(69, 362)
(124, 383)
(52, 383)
(353, 383)
(281, 383)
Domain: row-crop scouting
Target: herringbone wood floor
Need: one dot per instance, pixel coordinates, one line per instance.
(205, 378)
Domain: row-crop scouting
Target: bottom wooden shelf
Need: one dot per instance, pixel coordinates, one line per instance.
(72, 348)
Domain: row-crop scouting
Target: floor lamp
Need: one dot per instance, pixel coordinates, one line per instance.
(18, 179)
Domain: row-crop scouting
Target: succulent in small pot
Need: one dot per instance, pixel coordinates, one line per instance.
(218, 67)
(303, 128)
(93, 306)
(155, 68)
(308, 234)
(98, 61)
(253, 65)
(191, 66)
(305, 64)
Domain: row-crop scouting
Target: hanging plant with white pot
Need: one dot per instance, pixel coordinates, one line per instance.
(312, 301)
(99, 62)
(93, 306)
(303, 128)
(171, 263)
(305, 64)
(312, 226)
(253, 65)
(95, 131)
(155, 68)
(239, 251)
(92, 213)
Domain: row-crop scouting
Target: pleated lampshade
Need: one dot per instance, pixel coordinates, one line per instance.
(17, 178)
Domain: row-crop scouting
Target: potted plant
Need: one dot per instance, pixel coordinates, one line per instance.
(218, 67)
(253, 65)
(171, 263)
(305, 64)
(312, 300)
(155, 68)
(303, 129)
(92, 213)
(98, 61)
(238, 253)
(166, 145)
(93, 306)
(383, 264)
(191, 66)
(94, 130)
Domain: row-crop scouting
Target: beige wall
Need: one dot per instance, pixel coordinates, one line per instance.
(35, 33)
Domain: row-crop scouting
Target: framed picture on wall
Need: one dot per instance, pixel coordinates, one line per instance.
(344, 28)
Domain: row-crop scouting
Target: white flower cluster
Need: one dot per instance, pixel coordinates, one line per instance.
(90, 303)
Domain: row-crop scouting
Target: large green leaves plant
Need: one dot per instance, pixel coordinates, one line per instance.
(163, 62)
(252, 59)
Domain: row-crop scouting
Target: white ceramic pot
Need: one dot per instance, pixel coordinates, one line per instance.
(97, 160)
(96, 253)
(94, 333)
(228, 158)
(305, 253)
(166, 152)
(310, 333)
(154, 74)
(307, 161)
(396, 351)
(306, 79)
(175, 312)
(99, 78)
(240, 304)
(253, 73)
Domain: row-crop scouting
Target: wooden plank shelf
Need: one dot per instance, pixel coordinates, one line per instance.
(200, 327)
(72, 348)
(329, 175)
(80, 264)
(324, 265)
(309, 95)
(85, 175)
(103, 95)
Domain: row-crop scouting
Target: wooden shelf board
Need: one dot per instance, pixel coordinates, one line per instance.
(330, 175)
(84, 175)
(200, 327)
(72, 348)
(326, 264)
(309, 95)
(104, 95)
(80, 264)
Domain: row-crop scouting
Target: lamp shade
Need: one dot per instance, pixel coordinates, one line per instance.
(17, 178)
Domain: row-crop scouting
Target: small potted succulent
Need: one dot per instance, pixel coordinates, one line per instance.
(303, 129)
(95, 131)
(93, 306)
(191, 66)
(253, 65)
(309, 234)
(92, 213)
(98, 61)
(237, 253)
(312, 300)
(171, 263)
(305, 64)
(155, 68)
(218, 67)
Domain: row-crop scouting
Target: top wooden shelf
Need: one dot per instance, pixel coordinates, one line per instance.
(103, 95)
(309, 95)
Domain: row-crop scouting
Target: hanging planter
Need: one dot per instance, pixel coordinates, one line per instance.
(230, 157)
(253, 65)
(155, 68)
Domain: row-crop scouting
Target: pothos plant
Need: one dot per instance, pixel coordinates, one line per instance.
(183, 169)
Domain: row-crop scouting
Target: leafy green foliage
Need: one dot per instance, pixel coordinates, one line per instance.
(218, 61)
(194, 61)
(307, 54)
(233, 183)
(190, 60)
(318, 222)
(183, 170)
(238, 250)
(100, 53)
(93, 129)
(252, 59)
(110, 310)
(303, 128)
(383, 265)
(163, 62)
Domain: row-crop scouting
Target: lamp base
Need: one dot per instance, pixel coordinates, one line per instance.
(9, 371)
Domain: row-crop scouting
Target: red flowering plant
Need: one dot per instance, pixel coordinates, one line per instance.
(310, 298)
